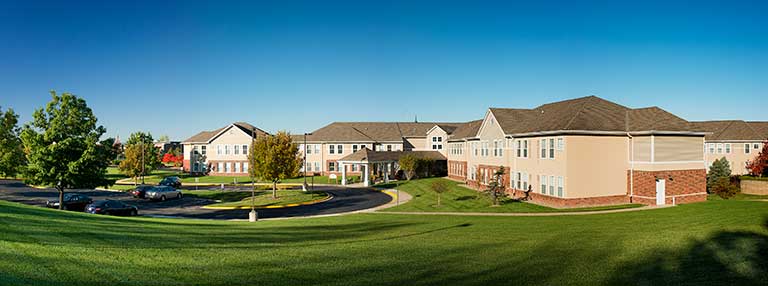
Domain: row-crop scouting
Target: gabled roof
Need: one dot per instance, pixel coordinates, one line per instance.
(589, 113)
(371, 131)
(366, 155)
(734, 130)
(207, 136)
(466, 130)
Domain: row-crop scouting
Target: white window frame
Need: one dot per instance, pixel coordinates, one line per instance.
(308, 149)
(228, 167)
(727, 148)
(237, 167)
(339, 149)
(551, 185)
(560, 187)
(711, 147)
(551, 148)
(560, 144)
(236, 149)
(747, 148)
(331, 149)
(220, 167)
(543, 148)
(720, 148)
(218, 149)
(543, 184)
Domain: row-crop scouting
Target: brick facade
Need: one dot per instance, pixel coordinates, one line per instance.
(681, 186)
(457, 170)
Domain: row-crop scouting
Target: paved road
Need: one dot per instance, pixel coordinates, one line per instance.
(344, 200)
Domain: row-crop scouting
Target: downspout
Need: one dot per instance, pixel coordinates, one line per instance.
(631, 167)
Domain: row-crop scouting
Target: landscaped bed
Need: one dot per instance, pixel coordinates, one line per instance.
(461, 199)
(186, 178)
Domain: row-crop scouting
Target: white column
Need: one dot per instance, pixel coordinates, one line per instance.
(366, 174)
(343, 174)
(386, 172)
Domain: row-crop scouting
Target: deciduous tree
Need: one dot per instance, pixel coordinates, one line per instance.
(142, 150)
(439, 186)
(12, 158)
(495, 188)
(759, 165)
(62, 146)
(409, 164)
(274, 158)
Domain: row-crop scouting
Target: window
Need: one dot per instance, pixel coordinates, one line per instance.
(727, 148)
(226, 150)
(543, 146)
(332, 166)
(552, 148)
(331, 149)
(307, 167)
(519, 147)
(237, 149)
(237, 167)
(202, 149)
(756, 146)
(711, 148)
(519, 181)
(309, 149)
(354, 168)
(719, 148)
(525, 181)
(194, 149)
(317, 166)
(472, 173)
(746, 148)
(525, 148)
(228, 167)
(220, 167)
(218, 149)
(543, 180)
(495, 148)
(245, 167)
(560, 187)
(354, 148)
(389, 147)
(551, 185)
(340, 148)
(560, 144)
(196, 167)
(245, 149)
(474, 149)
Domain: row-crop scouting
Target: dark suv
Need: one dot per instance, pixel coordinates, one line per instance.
(174, 182)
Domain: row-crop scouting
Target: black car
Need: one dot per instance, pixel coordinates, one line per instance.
(140, 191)
(110, 207)
(174, 182)
(76, 202)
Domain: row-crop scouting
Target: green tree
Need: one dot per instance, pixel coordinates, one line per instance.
(495, 188)
(439, 187)
(274, 158)
(719, 169)
(62, 146)
(163, 138)
(142, 150)
(409, 164)
(12, 158)
(425, 166)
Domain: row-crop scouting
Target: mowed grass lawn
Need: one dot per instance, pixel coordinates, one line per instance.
(461, 199)
(261, 199)
(711, 243)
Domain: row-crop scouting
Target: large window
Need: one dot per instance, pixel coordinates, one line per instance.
(727, 148)
(340, 149)
(746, 148)
(525, 148)
(711, 148)
(237, 167)
(331, 149)
(354, 148)
(560, 144)
(332, 166)
(495, 148)
(220, 168)
(202, 149)
(519, 180)
(218, 149)
(226, 150)
(245, 167)
(525, 181)
(228, 167)
(237, 150)
(317, 166)
(245, 149)
(389, 147)
(309, 149)
(551, 185)
(552, 148)
(543, 146)
(543, 180)
(560, 187)
(519, 147)
(719, 148)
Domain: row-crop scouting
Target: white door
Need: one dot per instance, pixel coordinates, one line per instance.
(661, 192)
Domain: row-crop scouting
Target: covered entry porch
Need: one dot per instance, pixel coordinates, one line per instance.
(380, 164)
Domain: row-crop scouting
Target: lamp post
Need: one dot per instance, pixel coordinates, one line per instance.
(143, 150)
(252, 216)
(304, 174)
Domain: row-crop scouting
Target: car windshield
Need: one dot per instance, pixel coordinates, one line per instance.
(68, 197)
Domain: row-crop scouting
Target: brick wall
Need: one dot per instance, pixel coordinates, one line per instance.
(185, 165)
(682, 186)
(455, 173)
(754, 187)
(557, 202)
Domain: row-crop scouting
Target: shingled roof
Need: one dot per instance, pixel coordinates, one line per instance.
(366, 155)
(372, 131)
(724, 130)
(589, 113)
(207, 136)
(466, 130)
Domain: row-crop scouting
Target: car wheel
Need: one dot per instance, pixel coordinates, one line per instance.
(134, 213)
(162, 198)
(178, 196)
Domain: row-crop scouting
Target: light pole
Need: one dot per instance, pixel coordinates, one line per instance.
(143, 150)
(304, 174)
(252, 216)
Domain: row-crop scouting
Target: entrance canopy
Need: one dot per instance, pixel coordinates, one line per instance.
(384, 160)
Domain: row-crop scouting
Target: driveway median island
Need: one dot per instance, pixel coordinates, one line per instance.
(234, 200)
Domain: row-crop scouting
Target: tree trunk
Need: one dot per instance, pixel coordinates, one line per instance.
(438, 199)
(274, 189)
(61, 197)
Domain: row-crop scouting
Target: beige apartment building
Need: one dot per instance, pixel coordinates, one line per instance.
(735, 140)
(221, 152)
(582, 152)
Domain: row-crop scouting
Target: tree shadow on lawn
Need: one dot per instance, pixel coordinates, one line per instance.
(726, 258)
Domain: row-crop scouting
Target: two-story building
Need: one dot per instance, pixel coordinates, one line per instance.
(585, 151)
(737, 141)
(221, 152)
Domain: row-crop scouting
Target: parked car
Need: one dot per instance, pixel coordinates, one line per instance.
(75, 202)
(171, 181)
(162, 193)
(140, 191)
(110, 207)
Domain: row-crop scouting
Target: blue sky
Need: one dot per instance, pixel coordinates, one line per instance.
(177, 68)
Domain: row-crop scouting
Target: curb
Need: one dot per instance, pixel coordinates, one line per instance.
(327, 198)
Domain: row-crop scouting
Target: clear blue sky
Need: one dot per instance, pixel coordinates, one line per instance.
(178, 68)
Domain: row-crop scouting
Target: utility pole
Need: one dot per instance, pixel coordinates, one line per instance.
(143, 150)
(304, 174)
(252, 216)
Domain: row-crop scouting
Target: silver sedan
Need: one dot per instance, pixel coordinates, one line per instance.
(163, 193)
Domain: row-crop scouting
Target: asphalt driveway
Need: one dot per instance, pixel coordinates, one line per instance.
(344, 200)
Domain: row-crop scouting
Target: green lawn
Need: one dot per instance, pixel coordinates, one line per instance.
(710, 243)
(461, 199)
(262, 198)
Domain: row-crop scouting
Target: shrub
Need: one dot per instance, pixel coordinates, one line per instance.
(440, 187)
(719, 169)
(724, 188)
